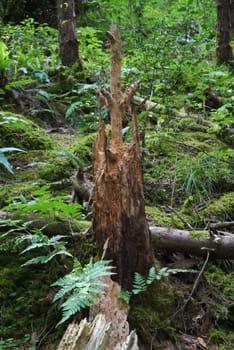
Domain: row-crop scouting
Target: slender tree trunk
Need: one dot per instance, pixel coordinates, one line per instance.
(119, 222)
(224, 22)
(68, 43)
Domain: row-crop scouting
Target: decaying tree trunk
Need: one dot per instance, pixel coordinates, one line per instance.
(108, 330)
(221, 246)
(119, 222)
(68, 43)
(224, 22)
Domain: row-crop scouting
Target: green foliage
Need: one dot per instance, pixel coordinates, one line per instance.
(75, 160)
(3, 160)
(141, 283)
(81, 287)
(80, 113)
(20, 132)
(44, 204)
(54, 246)
(4, 61)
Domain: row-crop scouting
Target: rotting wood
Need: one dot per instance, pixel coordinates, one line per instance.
(118, 200)
(108, 329)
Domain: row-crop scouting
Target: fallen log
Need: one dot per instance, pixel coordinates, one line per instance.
(194, 242)
(188, 242)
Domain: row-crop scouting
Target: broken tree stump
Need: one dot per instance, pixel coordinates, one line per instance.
(119, 220)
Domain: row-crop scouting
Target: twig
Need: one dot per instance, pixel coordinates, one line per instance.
(197, 279)
(180, 217)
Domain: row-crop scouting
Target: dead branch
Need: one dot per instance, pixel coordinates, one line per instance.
(193, 242)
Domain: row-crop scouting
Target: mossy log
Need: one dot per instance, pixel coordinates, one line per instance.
(221, 246)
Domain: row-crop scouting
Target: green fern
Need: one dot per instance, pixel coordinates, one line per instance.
(53, 245)
(44, 259)
(46, 205)
(141, 283)
(81, 286)
(74, 159)
(72, 108)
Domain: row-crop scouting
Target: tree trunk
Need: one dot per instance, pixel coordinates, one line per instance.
(193, 242)
(224, 23)
(119, 221)
(68, 43)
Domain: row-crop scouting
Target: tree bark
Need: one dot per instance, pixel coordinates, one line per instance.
(224, 23)
(193, 242)
(68, 43)
(119, 221)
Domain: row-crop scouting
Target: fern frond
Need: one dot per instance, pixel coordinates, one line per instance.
(71, 109)
(125, 295)
(152, 276)
(139, 284)
(74, 159)
(81, 286)
(33, 246)
(37, 260)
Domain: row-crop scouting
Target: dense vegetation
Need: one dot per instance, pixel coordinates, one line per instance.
(48, 121)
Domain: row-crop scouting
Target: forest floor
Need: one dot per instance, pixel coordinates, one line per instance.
(185, 167)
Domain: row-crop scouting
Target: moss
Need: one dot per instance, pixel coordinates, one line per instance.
(55, 168)
(198, 141)
(25, 301)
(222, 338)
(221, 209)
(199, 234)
(152, 313)
(160, 218)
(18, 131)
(83, 147)
(17, 191)
(221, 306)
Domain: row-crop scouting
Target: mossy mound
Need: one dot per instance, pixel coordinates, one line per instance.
(83, 147)
(152, 313)
(18, 131)
(24, 296)
(56, 168)
(163, 218)
(221, 209)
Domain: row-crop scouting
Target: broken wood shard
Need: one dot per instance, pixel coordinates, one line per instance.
(94, 336)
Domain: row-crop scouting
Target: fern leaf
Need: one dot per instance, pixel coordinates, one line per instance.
(71, 109)
(70, 307)
(139, 284)
(152, 276)
(37, 260)
(83, 285)
(33, 246)
(56, 239)
(125, 295)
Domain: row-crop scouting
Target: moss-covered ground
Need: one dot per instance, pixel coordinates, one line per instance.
(187, 177)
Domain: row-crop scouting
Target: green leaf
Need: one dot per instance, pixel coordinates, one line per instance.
(81, 287)
(5, 163)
